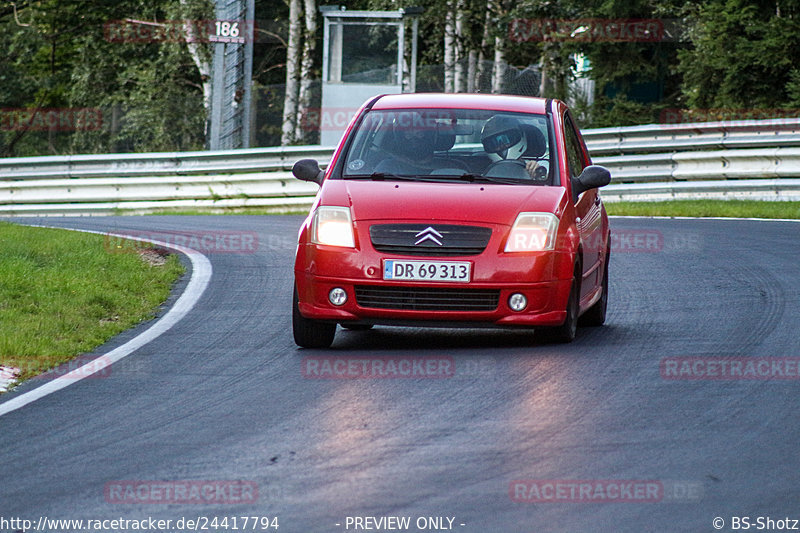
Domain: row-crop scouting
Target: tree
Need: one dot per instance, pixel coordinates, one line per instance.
(450, 48)
(124, 63)
(292, 69)
(306, 68)
(635, 76)
(744, 55)
(484, 44)
(190, 11)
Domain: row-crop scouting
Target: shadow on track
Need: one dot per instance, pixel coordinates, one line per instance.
(384, 338)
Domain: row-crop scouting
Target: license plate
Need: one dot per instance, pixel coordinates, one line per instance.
(458, 271)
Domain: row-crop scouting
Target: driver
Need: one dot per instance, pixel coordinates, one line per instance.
(503, 139)
(412, 145)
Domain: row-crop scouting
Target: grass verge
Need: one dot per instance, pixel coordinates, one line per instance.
(63, 293)
(670, 208)
(706, 208)
(297, 210)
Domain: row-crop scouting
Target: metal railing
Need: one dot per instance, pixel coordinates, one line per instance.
(753, 159)
(730, 135)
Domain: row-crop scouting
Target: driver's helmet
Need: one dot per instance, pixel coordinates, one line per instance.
(503, 138)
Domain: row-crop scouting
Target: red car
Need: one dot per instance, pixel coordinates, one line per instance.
(454, 209)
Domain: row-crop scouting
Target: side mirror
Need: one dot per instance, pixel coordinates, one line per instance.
(308, 170)
(592, 177)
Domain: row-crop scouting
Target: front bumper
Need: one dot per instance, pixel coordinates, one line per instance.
(543, 277)
(546, 304)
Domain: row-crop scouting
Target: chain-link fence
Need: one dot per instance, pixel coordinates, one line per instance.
(268, 100)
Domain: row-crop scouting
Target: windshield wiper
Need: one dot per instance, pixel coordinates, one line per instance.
(381, 176)
(472, 178)
(388, 176)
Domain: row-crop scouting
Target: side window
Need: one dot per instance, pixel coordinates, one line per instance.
(573, 145)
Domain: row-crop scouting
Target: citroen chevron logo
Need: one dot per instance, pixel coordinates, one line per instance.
(428, 234)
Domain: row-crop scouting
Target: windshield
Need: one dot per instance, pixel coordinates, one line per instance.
(450, 145)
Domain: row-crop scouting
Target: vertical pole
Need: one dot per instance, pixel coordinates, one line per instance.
(336, 35)
(414, 33)
(325, 48)
(217, 95)
(401, 52)
(250, 15)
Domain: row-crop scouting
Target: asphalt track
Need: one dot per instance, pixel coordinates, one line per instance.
(222, 396)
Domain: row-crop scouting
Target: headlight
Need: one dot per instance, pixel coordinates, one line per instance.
(333, 226)
(533, 232)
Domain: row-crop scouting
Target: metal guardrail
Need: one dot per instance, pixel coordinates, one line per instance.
(158, 164)
(753, 159)
(105, 184)
(731, 135)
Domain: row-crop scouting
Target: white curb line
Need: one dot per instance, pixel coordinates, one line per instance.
(201, 276)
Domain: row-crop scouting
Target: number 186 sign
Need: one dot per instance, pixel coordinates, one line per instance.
(230, 31)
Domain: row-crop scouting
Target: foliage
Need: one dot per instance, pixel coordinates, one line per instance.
(744, 55)
(62, 59)
(728, 54)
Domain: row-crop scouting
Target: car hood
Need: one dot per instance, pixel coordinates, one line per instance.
(457, 202)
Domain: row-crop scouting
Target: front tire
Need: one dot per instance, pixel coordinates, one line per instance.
(596, 314)
(566, 332)
(310, 333)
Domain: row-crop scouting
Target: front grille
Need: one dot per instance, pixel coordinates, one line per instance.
(429, 240)
(427, 298)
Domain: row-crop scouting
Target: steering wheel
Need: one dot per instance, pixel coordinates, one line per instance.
(507, 168)
(516, 169)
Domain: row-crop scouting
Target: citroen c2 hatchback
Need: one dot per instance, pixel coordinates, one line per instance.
(454, 210)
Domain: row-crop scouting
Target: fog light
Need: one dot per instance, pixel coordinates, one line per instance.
(517, 302)
(337, 296)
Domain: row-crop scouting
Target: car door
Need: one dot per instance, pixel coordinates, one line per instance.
(587, 207)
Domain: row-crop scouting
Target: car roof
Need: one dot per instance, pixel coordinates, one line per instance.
(497, 102)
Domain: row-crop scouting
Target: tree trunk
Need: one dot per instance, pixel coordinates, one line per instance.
(202, 63)
(499, 66)
(307, 63)
(550, 85)
(292, 65)
(487, 21)
(472, 69)
(449, 49)
(459, 79)
(544, 70)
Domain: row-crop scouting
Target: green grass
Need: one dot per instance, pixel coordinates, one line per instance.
(63, 293)
(706, 208)
(671, 208)
(225, 211)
